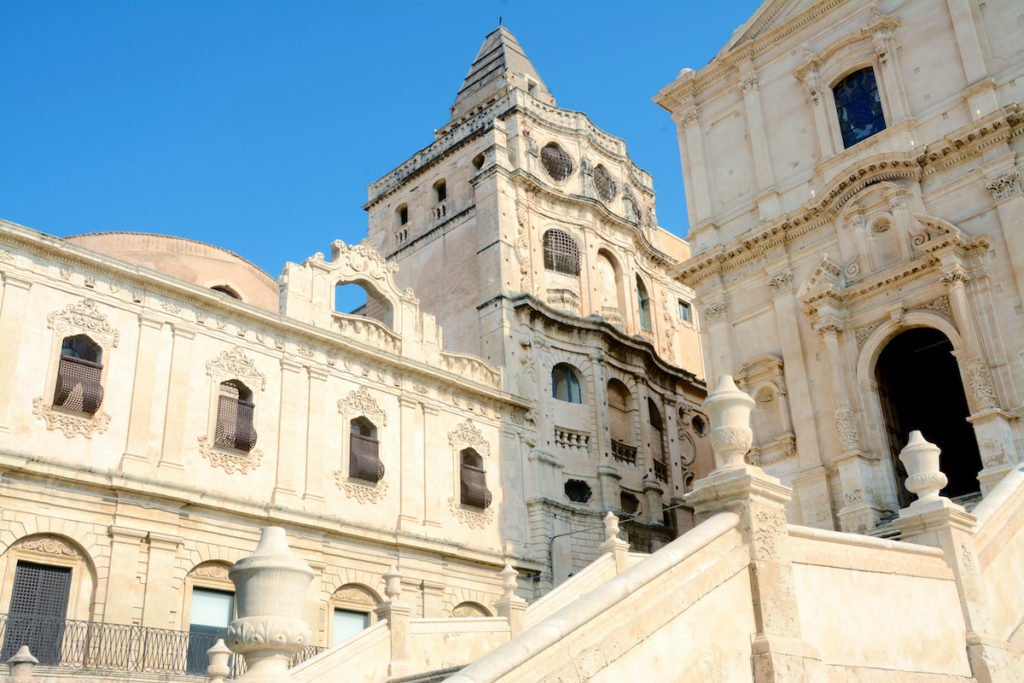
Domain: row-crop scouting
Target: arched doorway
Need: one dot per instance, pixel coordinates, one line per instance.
(920, 388)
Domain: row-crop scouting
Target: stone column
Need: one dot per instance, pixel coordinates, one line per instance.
(509, 605)
(982, 98)
(172, 455)
(413, 464)
(12, 327)
(991, 425)
(618, 548)
(598, 408)
(653, 492)
(136, 452)
(291, 437)
(811, 481)
(857, 514)
(608, 481)
(891, 77)
(319, 442)
(688, 122)
(1004, 185)
(161, 597)
(768, 198)
(124, 593)
(397, 615)
(779, 651)
(936, 521)
(270, 594)
(808, 73)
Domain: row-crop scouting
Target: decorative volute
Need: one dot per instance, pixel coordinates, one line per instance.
(921, 458)
(729, 409)
(270, 593)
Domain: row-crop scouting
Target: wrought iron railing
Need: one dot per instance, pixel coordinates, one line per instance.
(116, 647)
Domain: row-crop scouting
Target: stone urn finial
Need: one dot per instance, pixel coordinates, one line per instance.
(21, 664)
(270, 593)
(611, 526)
(921, 459)
(508, 580)
(392, 583)
(218, 669)
(728, 408)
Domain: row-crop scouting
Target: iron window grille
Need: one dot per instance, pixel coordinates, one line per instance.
(556, 161)
(364, 453)
(561, 253)
(473, 481)
(604, 183)
(234, 419)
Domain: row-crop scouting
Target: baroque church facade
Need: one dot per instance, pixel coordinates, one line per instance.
(532, 355)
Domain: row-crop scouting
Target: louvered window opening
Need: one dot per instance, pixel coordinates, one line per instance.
(39, 603)
(364, 458)
(561, 253)
(234, 421)
(557, 161)
(78, 385)
(474, 487)
(604, 183)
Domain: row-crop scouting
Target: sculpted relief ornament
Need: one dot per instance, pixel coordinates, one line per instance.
(1005, 186)
(234, 364)
(70, 424)
(362, 493)
(230, 461)
(83, 317)
(466, 434)
(360, 402)
(715, 311)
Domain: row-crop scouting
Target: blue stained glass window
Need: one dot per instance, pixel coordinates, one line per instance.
(858, 106)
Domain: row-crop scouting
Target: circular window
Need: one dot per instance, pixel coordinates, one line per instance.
(699, 425)
(604, 183)
(557, 161)
(577, 490)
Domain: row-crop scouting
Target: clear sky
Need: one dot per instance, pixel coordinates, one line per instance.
(257, 124)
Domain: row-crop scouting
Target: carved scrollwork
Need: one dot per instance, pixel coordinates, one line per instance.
(846, 427)
(360, 402)
(361, 493)
(780, 283)
(6, 256)
(83, 317)
(70, 424)
(49, 546)
(472, 518)
(230, 461)
(235, 364)
(1005, 186)
(211, 571)
(981, 384)
(466, 434)
(715, 311)
(730, 443)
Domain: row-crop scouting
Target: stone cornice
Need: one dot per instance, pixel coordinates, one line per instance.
(209, 302)
(963, 143)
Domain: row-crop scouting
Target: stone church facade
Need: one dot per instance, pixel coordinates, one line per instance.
(853, 183)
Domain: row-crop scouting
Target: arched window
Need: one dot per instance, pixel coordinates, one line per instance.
(561, 253)
(352, 611)
(556, 161)
(565, 384)
(858, 106)
(234, 417)
(440, 191)
(78, 386)
(363, 454)
(643, 302)
(224, 289)
(473, 480)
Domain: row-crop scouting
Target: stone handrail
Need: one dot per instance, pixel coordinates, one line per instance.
(551, 631)
(368, 331)
(363, 657)
(999, 544)
(472, 368)
(587, 579)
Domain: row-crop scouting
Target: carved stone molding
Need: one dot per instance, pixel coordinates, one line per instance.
(360, 402)
(234, 364)
(1005, 186)
(691, 115)
(471, 518)
(6, 256)
(254, 633)
(355, 595)
(846, 427)
(715, 311)
(749, 83)
(980, 382)
(828, 325)
(49, 546)
(230, 461)
(780, 283)
(362, 493)
(954, 276)
(83, 317)
(940, 304)
(70, 424)
(211, 571)
(466, 434)
(777, 451)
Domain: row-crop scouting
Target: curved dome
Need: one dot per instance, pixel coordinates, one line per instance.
(197, 262)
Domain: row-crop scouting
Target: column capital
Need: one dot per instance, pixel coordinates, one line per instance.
(163, 541)
(1004, 186)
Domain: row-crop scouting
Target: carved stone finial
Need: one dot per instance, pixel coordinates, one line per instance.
(270, 593)
(508, 580)
(611, 526)
(921, 459)
(729, 411)
(218, 669)
(21, 664)
(392, 583)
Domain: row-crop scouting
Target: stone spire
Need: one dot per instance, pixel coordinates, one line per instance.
(500, 64)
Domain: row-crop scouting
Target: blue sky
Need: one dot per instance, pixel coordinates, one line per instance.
(257, 124)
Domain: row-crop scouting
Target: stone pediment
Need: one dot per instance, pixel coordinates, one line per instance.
(770, 15)
(828, 275)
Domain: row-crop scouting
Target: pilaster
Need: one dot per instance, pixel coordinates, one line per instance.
(172, 454)
(291, 439)
(124, 592)
(160, 595)
(12, 326)
(412, 476)
(318, 445)
(136, 456)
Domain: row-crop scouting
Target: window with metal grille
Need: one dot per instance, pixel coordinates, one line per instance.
(473, 480)
(557, 161)
(37, 612)
(643, 302)
(604, 183)
(565, 384)
(364, 451)
(78, 387)
(561, 253)
(234, 417)
(858, 106)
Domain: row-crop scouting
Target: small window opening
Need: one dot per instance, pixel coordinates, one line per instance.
(224, 289)
(440, 190)
(354, 299)
(235, 417)
(561, 253)
(79, 372)
(556, 161)
(628, 503)
(699, 425)
(364, 451)
(531, 88)
(473, 480)
(643, 304)
(685, 312)
(577, 490)
(478, 161)
(402, 214)
(565, 384)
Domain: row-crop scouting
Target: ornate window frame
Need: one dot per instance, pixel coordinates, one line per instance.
(81, 317)
(468, 435)
(231, 364)
(360, 403)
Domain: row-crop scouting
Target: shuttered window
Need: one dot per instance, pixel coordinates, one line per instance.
(37, 612)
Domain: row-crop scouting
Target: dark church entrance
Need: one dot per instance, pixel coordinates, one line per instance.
(920, 388)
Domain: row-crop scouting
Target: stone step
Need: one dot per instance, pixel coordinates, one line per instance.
(435, 676)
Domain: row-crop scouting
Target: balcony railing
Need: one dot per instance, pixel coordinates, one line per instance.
(661, 471)
(116, 647)
(623, 453)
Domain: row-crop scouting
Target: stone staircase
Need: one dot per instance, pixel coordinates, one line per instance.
(435, 676)
(887, 530)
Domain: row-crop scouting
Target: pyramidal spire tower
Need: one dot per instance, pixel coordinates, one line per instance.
(531, 236)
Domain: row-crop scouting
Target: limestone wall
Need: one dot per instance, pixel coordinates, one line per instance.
(999, 535)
